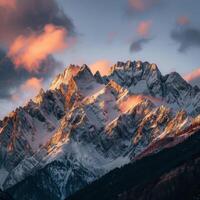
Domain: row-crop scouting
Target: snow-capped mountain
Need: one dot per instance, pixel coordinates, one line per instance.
(86, 125)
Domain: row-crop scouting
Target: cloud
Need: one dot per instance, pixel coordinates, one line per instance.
(137, 45)
(11, 79)
(8, 4)
(193, 77)
(33, 84)
(30, 16)
(27, 90)
(103, 66)
(12, 82)
(28, 52)
(186, 37)
(143, 28)
(142, 5)
(183, 20)
(31, 31)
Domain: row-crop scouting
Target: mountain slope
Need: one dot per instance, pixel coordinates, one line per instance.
(86, 125)
(173, 173)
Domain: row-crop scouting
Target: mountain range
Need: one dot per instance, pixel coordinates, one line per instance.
(86, 125)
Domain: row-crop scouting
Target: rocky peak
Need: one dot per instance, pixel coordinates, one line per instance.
(38, 99)
(150, 70)
(128, 65)
(84, 73)
(177, 85)
(175, 77)
(63, 79)
(99, 78)
(70, 71)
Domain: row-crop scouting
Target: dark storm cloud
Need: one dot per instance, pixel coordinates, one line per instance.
(137, 45)
(25, 18)
(186, 38)
(31, 15)
(11, 79)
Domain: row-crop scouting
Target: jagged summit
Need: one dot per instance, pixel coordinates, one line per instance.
(64, 78)
(85, 125)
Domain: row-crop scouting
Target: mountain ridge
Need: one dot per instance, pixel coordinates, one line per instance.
(92, 124)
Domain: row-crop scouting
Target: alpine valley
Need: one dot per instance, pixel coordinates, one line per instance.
(84, 126)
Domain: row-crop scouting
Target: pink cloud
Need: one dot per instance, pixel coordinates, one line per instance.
(183, 20)
(193, 75)
(103, 66)
(8, 3)
(33, 84)
(143, 28)
(28, 51)
(142, 5)
(27, 90)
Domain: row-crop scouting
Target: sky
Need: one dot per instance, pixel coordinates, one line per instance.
(39, 38)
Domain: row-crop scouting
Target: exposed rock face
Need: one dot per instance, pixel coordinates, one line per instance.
(86, 125)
